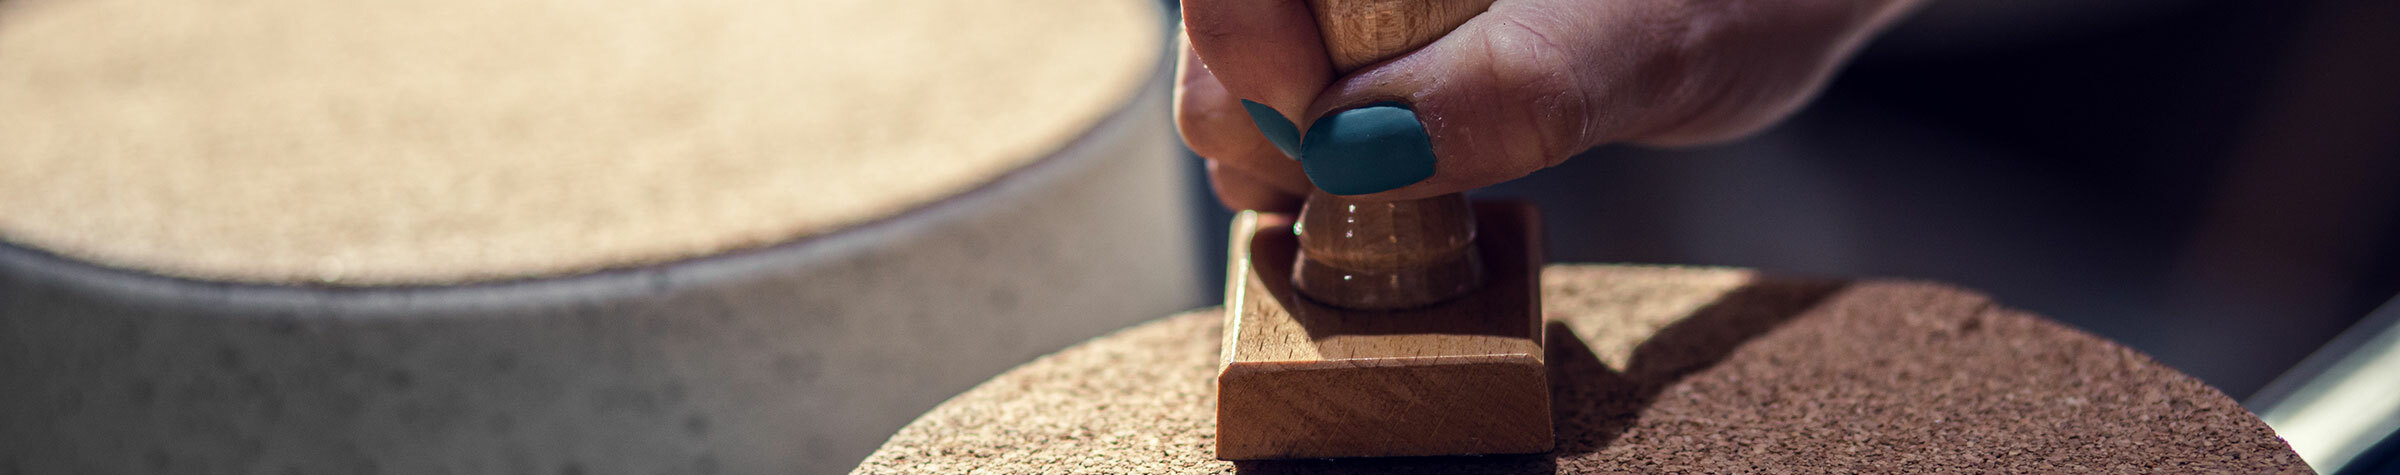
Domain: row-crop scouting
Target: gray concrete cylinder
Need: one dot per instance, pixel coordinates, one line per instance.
(798, 357)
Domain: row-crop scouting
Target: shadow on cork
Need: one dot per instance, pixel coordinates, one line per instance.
(1593, 404)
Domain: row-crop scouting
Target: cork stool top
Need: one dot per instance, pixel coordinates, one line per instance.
(447, 141)
(1668, 369)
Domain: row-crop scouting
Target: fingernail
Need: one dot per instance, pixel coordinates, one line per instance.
(1366, 150)
(1279, 130)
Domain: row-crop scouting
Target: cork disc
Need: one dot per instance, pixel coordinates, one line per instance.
(444, 141)
(1668, 370)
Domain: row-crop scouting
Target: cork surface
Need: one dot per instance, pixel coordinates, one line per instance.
(1668, 369)
(357, 142)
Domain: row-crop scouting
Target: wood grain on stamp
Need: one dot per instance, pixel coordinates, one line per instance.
(1465, 376)
(1381, 255)
(1362, 32)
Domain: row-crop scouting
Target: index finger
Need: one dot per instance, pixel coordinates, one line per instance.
(1264, 51)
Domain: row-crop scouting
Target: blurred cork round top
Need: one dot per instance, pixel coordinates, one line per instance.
(1667, 370)
(356, 142)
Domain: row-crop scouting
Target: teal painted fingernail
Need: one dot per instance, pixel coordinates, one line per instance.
(1279, 130)
(1366, 150)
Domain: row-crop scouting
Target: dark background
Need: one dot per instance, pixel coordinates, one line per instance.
(2210, 182)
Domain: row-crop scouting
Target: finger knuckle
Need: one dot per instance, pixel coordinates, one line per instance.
(1209, 135)
(1200, 137)
(1539, 88)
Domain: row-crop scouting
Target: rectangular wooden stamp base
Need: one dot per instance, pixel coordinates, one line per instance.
(1298, 379)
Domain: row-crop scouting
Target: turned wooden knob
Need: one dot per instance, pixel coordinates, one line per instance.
(1380, 255)
(1361, 32)
(1384, 255)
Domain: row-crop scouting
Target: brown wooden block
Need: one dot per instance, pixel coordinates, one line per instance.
(1298, 379)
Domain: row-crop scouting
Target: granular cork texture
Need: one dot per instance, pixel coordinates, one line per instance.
(365, 142)
(1668, 370)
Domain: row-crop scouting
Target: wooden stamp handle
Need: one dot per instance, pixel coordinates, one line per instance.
(1383, 255)
(1386, 255)
(1361, 32)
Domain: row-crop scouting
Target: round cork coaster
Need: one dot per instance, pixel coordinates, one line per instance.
(454, 141)
(1668, 370)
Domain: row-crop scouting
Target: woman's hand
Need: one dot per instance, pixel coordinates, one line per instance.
(1517, 88)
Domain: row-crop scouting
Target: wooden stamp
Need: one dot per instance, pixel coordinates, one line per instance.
(1384, 328)
(1299, 378)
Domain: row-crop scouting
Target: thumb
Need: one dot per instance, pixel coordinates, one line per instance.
(1530, 83)
(1495, 99)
